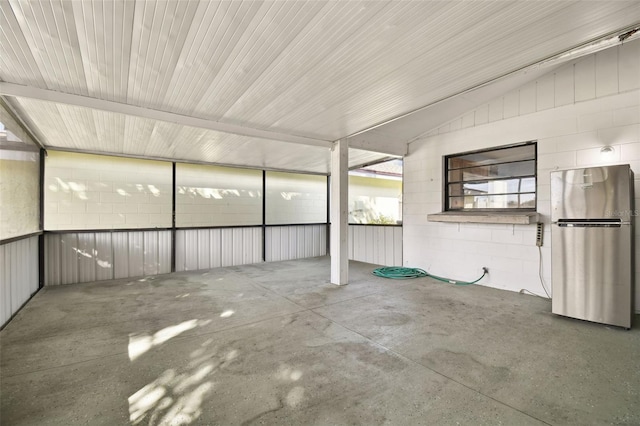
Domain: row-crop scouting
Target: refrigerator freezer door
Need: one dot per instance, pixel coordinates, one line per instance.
(591, 193)
(591, 273)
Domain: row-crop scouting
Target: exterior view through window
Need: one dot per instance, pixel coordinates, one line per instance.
(375, 194)
(497, 179)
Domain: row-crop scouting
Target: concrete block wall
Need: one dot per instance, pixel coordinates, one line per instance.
(100, 192)
(572, 113)
(294, 198)
(217, 196)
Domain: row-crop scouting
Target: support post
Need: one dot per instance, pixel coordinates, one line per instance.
(41, 239)
(339, 212)
(173, 216)
(264, 216)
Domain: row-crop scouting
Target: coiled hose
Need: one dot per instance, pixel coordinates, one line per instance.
(403, 273)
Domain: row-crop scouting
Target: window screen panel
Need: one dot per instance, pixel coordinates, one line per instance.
(502, 178)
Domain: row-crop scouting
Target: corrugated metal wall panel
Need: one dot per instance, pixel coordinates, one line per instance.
(150, 240)
(373, 238)
(16, 272)
(247, 246)
(204, 248)
(283, 237)
(271, 246)
(18, 275)
(322, 244)
(86, 253)
(380, 245)
(191, 250)
(164, 252)
(350, 240)
(104, 257)
(52, 259)
(95, 256)
(24, 272)
(120, 250)
(237, 240)
(390, 247)
(226, 247)
(181, 241)
(34, 275)
(295, 242)
(92, 256)
(257, 245)
(215, 248)
(68, 258)
(198, 249)
(5, 285)
(358, 243)
(397, 246)
(136, 254)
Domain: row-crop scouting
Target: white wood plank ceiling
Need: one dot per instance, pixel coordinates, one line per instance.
(286, 78)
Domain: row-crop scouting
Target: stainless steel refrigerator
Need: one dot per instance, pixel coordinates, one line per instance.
(592, 215)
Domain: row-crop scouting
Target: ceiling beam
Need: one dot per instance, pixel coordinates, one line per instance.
(11, 89)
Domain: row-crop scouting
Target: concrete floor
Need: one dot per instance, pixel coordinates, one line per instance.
(275, 343)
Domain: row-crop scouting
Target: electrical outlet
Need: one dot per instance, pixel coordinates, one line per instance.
(539, 233)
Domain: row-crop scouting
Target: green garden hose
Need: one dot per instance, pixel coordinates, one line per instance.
(399, 272)
(402, 273)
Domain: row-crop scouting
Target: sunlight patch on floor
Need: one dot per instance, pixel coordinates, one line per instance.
(141, 343)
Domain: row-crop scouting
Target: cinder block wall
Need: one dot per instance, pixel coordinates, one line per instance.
(572, 112)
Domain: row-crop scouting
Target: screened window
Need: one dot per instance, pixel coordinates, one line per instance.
(501, 178)
(375, 194)
(294, 198)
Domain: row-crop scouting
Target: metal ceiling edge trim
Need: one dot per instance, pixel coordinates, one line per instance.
(490, 81)
(17, 90)
(11, 109)
(182, 161)
(373, 163)
(361, 145)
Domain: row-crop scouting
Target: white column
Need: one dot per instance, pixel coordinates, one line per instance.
(339, 212)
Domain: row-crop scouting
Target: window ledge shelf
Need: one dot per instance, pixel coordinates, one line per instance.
(512, 218)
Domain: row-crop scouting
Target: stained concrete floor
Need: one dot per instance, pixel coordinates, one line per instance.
(275, 343)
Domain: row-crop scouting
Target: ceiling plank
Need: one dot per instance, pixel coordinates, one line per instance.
(10, 89)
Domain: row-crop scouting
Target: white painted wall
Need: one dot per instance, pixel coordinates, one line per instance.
(571, 112)
(217, 196)
(101, 192)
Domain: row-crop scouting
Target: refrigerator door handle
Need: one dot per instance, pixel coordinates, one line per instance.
(591, 225)
(588, 223)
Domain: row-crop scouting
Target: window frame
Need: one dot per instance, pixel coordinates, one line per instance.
(447, 197)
